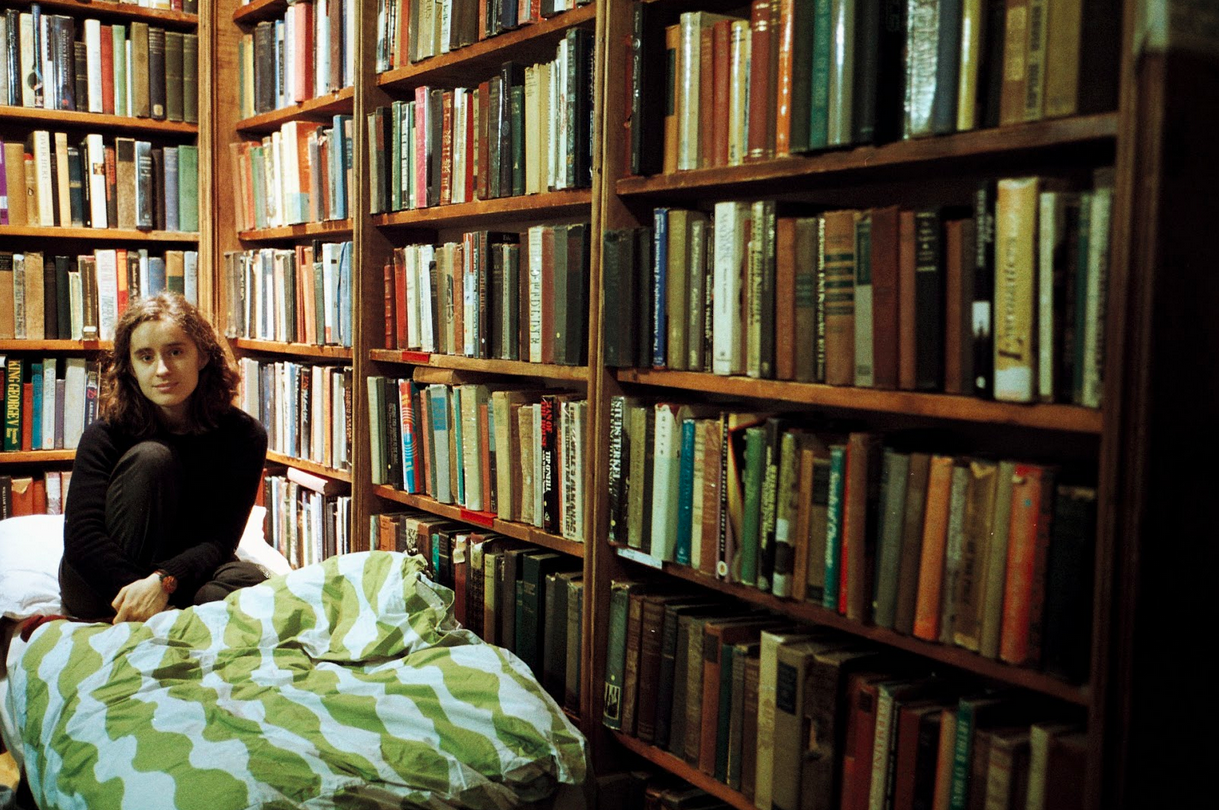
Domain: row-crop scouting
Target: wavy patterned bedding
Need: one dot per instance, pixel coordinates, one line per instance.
(344, 684)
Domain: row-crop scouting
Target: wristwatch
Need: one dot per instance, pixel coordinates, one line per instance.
(169, 583)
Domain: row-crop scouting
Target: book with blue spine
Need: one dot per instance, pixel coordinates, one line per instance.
(660, 261)
(833, 529)
(36, 415)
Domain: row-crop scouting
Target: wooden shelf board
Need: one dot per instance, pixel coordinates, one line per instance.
(1067, 418)
(531, 206)
(295, 349)
(331, 227)
(684, 770)
(340, 101)
(487, 520)
(77, 118)
(44, 346)
(308, 466)
(922, 152)
(35, 456)
(515, 368)
(107, 234)
(102, 8)
(953, 656)
(488, 54)
(259, 10)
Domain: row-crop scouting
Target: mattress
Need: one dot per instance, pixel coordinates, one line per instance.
(11, 646)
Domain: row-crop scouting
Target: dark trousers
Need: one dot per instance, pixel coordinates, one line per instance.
(141, 513)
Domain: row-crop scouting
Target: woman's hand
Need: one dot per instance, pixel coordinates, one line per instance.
(140, 600)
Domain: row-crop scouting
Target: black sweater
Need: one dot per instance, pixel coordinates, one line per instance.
(221, 473)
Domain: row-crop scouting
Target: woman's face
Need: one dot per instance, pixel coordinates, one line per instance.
(166, 364)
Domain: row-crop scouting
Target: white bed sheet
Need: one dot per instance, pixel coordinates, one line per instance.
(11, 647)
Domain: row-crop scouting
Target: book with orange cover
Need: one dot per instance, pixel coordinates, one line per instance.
(935, 536)
(22, 496)
(1027, 548)
(673, 57)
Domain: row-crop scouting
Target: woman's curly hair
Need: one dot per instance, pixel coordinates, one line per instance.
(124, 406)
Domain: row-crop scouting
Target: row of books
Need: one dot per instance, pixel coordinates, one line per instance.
(526, 130)
(493, 295)
(804, 75)
(300, 173)
(991, 556)
(306, 408)
(413, 31)
(309, 53)
(308, 518)
(522, 598)
(801, 716)
(518, 454)
(81, 297)
(48, 401)
(30, 495)
(291, 295)
(1004, 300)
(127, 183)
(57, 62)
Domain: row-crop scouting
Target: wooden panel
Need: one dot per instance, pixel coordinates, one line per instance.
(320, 109)
(1068, 418)
(55, 345)
(306, 350)
(929, 155)
(336, 228)
(309, 466)
(36, 456)
(31, 116)
(550, 205)
(106, 10)
(259, 10)
(98, 234)
(487, 520)
(512, 368)
(478, 60)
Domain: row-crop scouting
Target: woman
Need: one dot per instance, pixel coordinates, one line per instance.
(164, 480)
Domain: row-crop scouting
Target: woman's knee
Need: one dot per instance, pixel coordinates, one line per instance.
(151, 460)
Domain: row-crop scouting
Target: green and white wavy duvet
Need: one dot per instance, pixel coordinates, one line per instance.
(344, 684)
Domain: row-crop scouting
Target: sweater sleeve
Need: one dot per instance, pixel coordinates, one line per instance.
(88, 548)
(228, 469)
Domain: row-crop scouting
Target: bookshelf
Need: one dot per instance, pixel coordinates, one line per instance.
(68, 235)
(295, 216)
(913, 173)
(452, 366)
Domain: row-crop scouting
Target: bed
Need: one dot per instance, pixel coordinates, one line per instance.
(343, 684)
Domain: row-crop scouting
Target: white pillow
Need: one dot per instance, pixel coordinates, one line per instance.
(30, 548)
(253, 547)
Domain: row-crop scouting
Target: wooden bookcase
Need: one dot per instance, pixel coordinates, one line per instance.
(377, 235)
(1142, 138)
(17, 122)
(232, 20)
